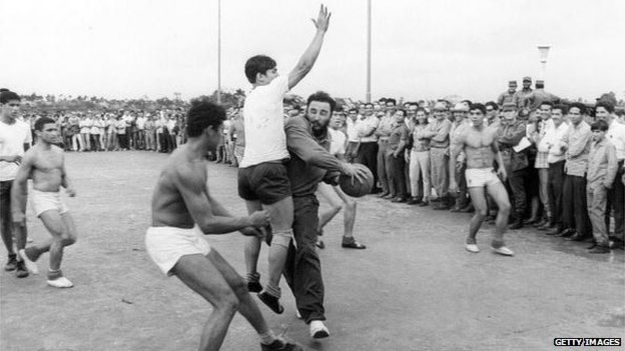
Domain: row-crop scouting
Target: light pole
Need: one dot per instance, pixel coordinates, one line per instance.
(219, 51)
(368, 96)
(543, 51)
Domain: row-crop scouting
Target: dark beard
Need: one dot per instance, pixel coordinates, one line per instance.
(320, 132)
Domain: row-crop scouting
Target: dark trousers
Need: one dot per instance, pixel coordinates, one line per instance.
(367, 155)
(383, 168)
(461, 179)
(555, 185)
(616, 204)
(395, 173)
(302, 270)
(516, 182)
(574, 205)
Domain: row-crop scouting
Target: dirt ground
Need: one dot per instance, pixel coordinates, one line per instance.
(413, 288)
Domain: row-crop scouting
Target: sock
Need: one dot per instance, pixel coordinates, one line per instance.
(267, 337)
(253, 277)
(54, 274)
(273, 291)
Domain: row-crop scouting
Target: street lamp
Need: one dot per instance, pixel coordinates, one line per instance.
(543, 51)
(368, 95)
(219, 51)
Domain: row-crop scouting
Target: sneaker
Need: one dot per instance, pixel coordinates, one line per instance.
(504, 251)
(60, 282)
(272, 302)
(281, 345)
(20, 270)
(11, 263)
(472, 248)
(30, 265)
(320, 244)
(351, 243)
(297, 314)
(318, 330)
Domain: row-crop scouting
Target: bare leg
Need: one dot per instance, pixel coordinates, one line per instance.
(252, 244)
(349, 216)
(247, 307)
(281, 214)
(63, 233)
(478, 199)
(327, 193)
(498, 192)
(200, 274)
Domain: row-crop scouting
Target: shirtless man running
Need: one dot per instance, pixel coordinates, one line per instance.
(183, 210)
(45, 164)
(479, 144)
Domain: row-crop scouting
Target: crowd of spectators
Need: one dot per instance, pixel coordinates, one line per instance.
(564, 159)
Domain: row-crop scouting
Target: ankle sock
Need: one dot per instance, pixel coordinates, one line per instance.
(253, 277)
(267, 337)
(273, 291)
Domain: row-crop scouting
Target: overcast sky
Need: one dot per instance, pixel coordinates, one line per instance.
(421, 49)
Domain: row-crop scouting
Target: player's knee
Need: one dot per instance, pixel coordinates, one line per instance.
(481, 213)
(504, 208)
(239, 286)
(229, 303)
(282, 238)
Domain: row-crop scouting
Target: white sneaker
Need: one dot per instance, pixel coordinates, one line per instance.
(60, 282)
(472, 248)
(318, 330)
(30, 265)
(504, 251)
(297, 314)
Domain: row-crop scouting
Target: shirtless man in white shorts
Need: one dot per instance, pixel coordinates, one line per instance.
(183, 210)
(45, 164)
(480, 146)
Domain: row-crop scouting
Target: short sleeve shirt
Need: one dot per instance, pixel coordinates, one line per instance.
(12, 140)
(264, 123)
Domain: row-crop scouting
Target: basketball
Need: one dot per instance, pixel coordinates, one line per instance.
(357, 188)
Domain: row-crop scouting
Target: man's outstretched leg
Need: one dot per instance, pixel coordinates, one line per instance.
(498, 192)
(478, 199)
(247, 307)
(251, 253)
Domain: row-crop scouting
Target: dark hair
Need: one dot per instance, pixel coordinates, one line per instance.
(563, 108)
(322, 97)
(204, 114)
(391, 100)
(42, 122)
(580, 106)
(258, 64)
(403, 111)
(606, 105)
(600, 125)
(469, 102)
(421, 109)
(353, 110)
(548, 103)
(478, 106)
(491, 104)
(7, 96)
(368, 104)
(2, 90)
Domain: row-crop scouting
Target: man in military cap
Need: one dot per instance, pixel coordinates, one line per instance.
(521, 95)
(508, 95)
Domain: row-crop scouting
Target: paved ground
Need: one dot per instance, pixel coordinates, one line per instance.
(414, 288)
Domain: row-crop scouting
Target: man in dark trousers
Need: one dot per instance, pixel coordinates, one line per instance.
(311, 162)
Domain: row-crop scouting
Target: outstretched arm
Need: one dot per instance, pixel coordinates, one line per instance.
(191, 186)
(309, 57)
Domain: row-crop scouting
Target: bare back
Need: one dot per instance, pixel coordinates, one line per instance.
(480, 146)
(46, 167)
(168, 205)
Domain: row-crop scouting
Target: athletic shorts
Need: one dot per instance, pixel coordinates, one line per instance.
(266, 182)
(480, 177)
(166, 245)
(42, 201)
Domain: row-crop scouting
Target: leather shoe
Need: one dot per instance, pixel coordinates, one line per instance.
(591, 246)
(388, 196)
(455, 209)
(423, 204)
(467, 209)
(576, 237)
(399, 199)
(413, 201)
(599, 249)
(530, 221)
(565, 233)
(383, 194)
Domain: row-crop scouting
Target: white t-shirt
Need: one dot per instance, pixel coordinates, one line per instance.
(337, 142)
(264, 125)
(12, 140)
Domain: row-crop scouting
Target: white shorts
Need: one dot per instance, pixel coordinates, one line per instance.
(42, 201)
(166, 245)
(480, 177)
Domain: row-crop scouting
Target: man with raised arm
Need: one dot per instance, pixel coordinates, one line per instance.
(480, 145)
(183, 210)
(263, 181)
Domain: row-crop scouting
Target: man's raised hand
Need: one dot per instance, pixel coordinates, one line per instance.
(354, 172)
(323, 19)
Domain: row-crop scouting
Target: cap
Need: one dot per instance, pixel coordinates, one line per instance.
(440, 106)
(512, 83)
(509, 106)
(460, 107)
(540, 82)
(527, 79)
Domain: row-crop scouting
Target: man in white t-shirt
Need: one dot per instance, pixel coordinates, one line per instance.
(263, 180)
(14, 140)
